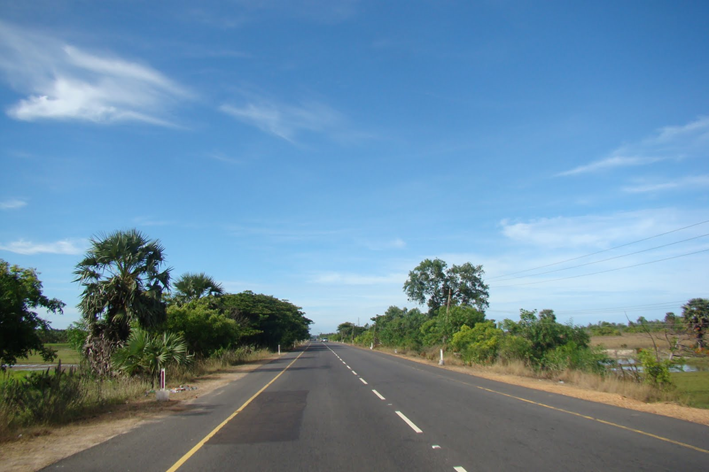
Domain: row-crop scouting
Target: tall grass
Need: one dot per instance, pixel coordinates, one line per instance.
(57, 396)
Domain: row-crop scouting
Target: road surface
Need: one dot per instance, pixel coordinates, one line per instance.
(332, 407)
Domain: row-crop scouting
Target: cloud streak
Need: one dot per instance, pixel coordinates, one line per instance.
(66, 246)
(12, 204)
(286, 121)
(591, 231)
(686, 183)
(64, 82)
(671, 142)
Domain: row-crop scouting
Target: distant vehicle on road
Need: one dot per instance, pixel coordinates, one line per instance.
(324, 340)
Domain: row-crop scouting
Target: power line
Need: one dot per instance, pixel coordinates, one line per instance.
(605, 271)
(611, 309)
(599, 252)
(609, 259)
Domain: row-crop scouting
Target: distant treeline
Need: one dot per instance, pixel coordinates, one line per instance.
(671, 323)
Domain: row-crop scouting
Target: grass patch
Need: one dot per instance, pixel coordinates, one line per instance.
(694, 387)
(13, 374)
(700, 362)
(65, 353)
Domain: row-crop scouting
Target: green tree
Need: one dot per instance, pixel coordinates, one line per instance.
(432, 282)
(446, 322)
(348, 331)
(275, 322)
(20, 325)
(123, 282)
(399, 327)
(205, 327)
(195, 286)
(544, 334)
(695, 314)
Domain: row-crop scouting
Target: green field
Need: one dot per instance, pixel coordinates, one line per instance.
(64, 353)
(694, 386)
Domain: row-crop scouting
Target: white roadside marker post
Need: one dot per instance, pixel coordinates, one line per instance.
(279, 349)
(162, 395)
(440, 362)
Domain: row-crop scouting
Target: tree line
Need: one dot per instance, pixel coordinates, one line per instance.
(134, 318)
(457, 297)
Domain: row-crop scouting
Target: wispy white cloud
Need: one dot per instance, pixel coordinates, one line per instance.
(12, 204)
(220, 156)
(686, 183)
(337, 278)
(594, 231)
(66, 246)
(64, 82)
(671, 142)
(610, 163)
(287, 121)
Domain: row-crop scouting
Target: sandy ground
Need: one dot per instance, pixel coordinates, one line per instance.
(51, 445)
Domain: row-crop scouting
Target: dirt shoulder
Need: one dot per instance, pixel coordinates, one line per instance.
(49, 445)
(672, 410)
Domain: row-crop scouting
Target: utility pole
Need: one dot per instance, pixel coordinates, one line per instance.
(447, 325)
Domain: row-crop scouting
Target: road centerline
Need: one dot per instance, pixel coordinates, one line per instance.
(409, 422)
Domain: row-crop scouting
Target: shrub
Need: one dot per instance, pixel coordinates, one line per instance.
(572, 357)
(515, 348)
(145, 353)
(478, 344)
(655, 372)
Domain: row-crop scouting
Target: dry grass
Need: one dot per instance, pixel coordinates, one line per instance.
(640, 341)
(588, 381)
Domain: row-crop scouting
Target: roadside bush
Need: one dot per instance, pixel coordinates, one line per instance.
(655, 372)
(205, 329)
(515, 349)
(478, 344)
(545, 334)
(144, 353)
(572, 357)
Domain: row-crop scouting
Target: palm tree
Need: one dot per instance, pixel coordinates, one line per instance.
(123, 284)
(194, 286)
(696, 316)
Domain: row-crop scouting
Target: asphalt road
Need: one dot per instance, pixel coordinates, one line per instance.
(334, 407)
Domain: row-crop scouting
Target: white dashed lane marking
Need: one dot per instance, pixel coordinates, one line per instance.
(409, 422)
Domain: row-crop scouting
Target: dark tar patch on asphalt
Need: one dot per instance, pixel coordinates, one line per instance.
(270, 417)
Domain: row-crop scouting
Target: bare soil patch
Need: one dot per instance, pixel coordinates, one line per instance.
(45, 446)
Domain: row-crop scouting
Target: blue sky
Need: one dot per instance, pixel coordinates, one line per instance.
(317, 151)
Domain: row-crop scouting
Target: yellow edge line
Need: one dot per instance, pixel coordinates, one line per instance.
(199, 445)
(689, 446)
